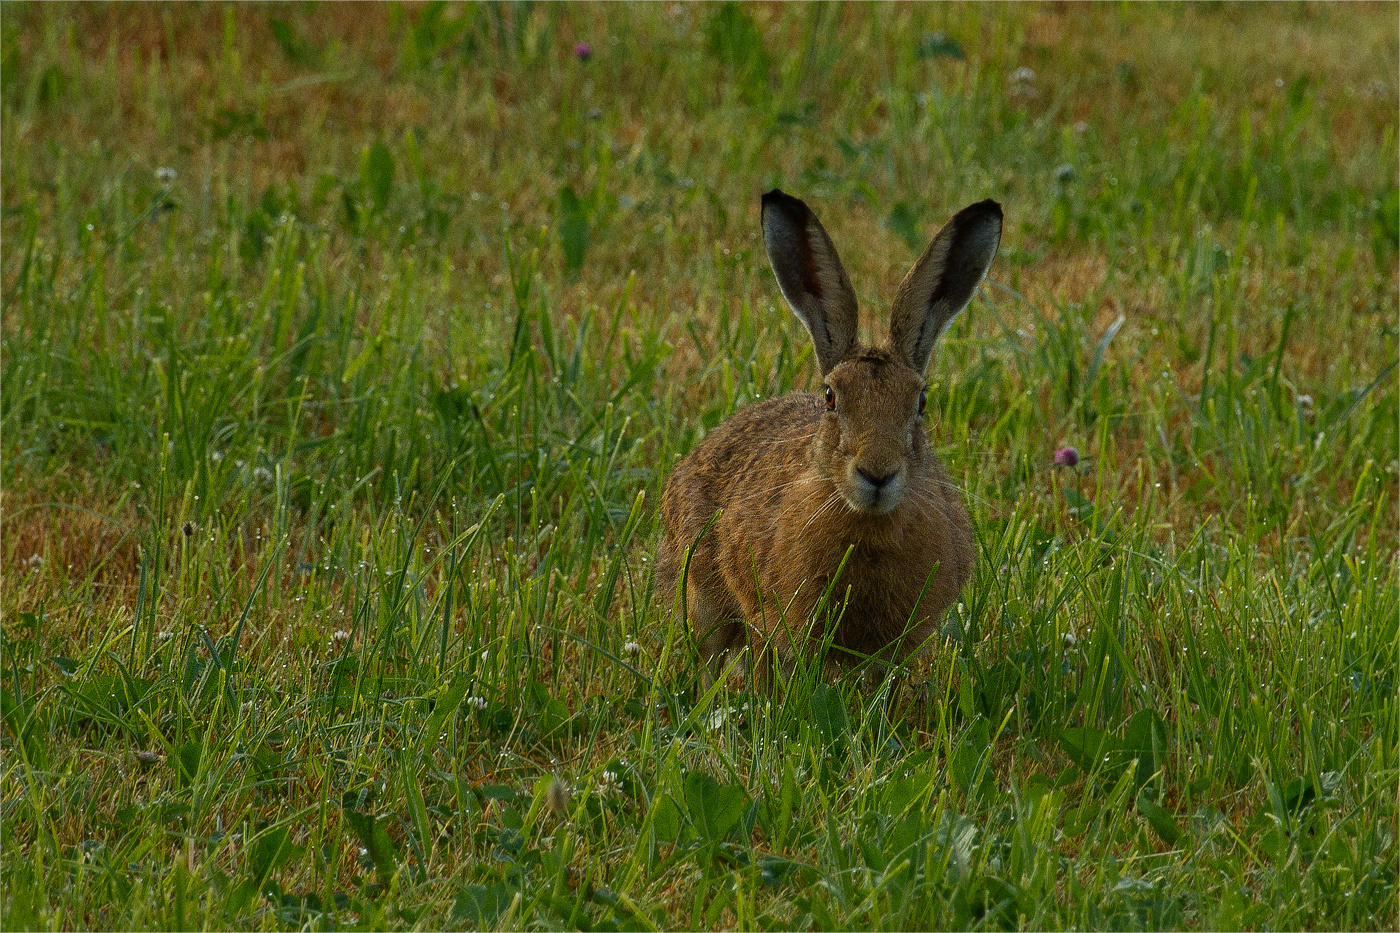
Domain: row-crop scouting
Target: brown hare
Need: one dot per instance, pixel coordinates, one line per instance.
(790, 492)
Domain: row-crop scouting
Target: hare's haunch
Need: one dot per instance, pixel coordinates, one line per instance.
(791, 492)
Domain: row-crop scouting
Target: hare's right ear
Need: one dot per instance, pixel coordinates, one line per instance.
(810, 275)
(942, 282)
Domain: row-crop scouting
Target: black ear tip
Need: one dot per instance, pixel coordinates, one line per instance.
(982, 210)
(792, 208)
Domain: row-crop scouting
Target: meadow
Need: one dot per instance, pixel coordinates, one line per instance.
(346, 350)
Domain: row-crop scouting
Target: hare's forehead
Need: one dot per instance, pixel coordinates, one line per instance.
(875, 375)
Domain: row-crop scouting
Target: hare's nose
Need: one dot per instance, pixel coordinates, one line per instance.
(879, 482)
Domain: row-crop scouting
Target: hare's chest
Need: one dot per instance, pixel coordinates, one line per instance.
(878, 584)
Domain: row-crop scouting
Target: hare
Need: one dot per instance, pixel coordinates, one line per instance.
(825, 516)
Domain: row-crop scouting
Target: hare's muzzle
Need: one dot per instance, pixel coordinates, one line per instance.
(875, 489)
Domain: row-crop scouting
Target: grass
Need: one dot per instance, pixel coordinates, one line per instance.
(330, 462)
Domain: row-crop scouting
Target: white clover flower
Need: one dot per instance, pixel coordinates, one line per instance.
(164, 636)
(719, 716)
(262, 474)
(340, 635)
(610, 785)
(476, 702)
(1023, 83)
(632, 647)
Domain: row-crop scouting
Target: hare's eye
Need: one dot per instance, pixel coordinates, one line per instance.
(923, 401)
(830, 399)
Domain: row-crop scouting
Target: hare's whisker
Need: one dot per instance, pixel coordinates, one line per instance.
(831, 502)
(960, 490)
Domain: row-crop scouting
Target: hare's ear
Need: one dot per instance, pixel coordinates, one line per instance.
(943, 280)
(810, 275)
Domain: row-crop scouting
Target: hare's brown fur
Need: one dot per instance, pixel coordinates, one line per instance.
(795, 483)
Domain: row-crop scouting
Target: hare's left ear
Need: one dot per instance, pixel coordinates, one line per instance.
(942, 282)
